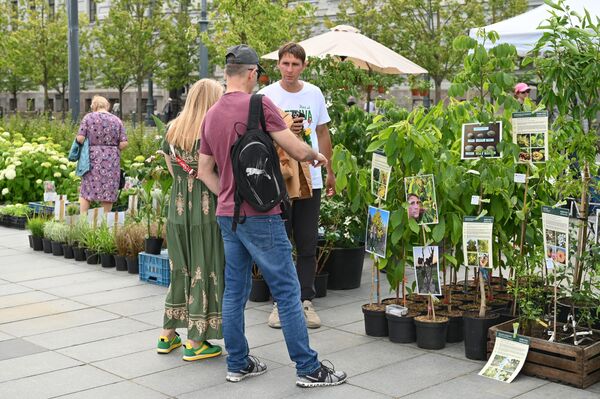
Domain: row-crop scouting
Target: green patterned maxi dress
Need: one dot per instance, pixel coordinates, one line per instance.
(196, 256)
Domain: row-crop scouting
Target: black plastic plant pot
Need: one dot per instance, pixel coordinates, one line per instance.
(431, 334)
(455, 329)
(91, 257)
(30, 240)
(38, 243)
(107, 260)
(345, 266)
(376, 325)
(153, 245)
(321, 285)
(401, 329)
(132, 265)
(68, 251)
(47, 245)
(79, 254)
(57, 248)
(120, 263)
(475, 331)
(260, 290)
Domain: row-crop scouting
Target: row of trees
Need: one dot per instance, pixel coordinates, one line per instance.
(160, 38)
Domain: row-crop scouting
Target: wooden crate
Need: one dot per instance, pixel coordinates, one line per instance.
(578, 366)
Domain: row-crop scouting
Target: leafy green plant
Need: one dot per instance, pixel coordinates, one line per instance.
(89, 239)
(79, 231)
(72, 209)
(36, 226)
(105, 240)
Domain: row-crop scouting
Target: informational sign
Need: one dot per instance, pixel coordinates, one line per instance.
(378, 221)
(421, 199)
(427, 270)
(555, 226)
(380, 176)
(481, 140)
(507, 358)
(49, 191)
(477, 241)
(530, 133)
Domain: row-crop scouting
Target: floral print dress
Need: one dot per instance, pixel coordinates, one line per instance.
(196, 255)
(104, 132)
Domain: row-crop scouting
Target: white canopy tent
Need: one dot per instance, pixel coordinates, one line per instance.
(521, 30)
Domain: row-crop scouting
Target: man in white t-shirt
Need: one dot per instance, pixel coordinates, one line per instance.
(306, 103)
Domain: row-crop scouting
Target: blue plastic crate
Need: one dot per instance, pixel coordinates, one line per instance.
(154, 269)
(40, 209)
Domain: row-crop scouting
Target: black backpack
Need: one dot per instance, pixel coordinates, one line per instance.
(255, 162)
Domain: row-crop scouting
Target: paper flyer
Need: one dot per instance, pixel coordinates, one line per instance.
(477, 241)
(530, 133)
(481, 140)
(427, 270)
(507, 358)
(378, 221)
(420, 196)
(555, 226)
(380, 176)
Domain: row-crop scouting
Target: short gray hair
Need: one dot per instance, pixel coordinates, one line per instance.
(238, 69)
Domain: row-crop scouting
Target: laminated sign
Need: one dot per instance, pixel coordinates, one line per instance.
(507, 358)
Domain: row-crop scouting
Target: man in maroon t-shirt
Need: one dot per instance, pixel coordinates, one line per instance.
(262, 236)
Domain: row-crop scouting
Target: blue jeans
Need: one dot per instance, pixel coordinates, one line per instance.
(262, 238)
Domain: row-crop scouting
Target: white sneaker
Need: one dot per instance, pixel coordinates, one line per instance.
(274, 321)
(312, 318)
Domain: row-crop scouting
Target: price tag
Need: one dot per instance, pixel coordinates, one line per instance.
(520, 178)
(549, 264)
(475, 200)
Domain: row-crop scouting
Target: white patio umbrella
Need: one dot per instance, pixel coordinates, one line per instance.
(348, 44)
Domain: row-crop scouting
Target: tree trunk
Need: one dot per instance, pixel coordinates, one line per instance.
(14, 95)
(138, 107)
(46, 97)
(121, 102)
(438, 90)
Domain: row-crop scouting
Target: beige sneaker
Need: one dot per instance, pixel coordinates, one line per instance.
(274, 321)
(312, 318)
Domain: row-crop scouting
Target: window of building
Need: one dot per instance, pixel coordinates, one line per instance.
(31, 104)
(12, 104)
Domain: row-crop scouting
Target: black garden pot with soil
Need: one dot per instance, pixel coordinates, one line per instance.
(91, 257)
(68, 251)
(345, 266)
(321, 284)
(107, 260)
(79, 254)
(38, 243)
(153, 245)
(376, 325)
(455, 325)
(30, 240)
(260, 290)
(475, 330)
(132, 265)
(120, 263)
(47, 245)
(401, 329)
(431, 334)
(57, 248)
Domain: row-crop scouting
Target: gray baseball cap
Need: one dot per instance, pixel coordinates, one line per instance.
(242, 54)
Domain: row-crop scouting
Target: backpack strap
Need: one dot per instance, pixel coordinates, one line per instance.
(256, 113)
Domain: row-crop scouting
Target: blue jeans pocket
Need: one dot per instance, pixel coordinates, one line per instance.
(261, 232)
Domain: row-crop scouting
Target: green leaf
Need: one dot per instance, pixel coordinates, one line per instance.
(412, 223)
(439, 231)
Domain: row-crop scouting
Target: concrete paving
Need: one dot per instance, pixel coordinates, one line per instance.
(72, 330)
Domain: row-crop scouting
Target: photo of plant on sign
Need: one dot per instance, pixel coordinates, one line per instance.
(420, 196)
(427, 270)
(377, 227)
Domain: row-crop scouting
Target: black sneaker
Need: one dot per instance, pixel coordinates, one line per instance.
(254, 367)
(322, 377)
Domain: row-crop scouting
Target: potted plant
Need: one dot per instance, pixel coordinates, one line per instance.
(105, 245)
(134, 236)
(413, 82)
(260, 290)
(431, 329)
(46, 241)
(90, 242)
(36, 227)
(154, 215)
(72, 214)
(424, 86)
(69, 242)
(121, 249)
(78, 232)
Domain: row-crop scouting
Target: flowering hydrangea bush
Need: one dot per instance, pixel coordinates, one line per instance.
(24, 166)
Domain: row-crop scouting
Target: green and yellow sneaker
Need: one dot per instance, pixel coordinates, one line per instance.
(205, 351)
(166, 345)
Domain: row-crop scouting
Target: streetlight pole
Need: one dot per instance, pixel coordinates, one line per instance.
(73, 41)
(426, 99)
(203, 49)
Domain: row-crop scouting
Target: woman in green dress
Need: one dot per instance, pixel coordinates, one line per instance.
(196, 254)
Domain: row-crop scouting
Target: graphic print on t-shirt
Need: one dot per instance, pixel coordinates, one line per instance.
(304, 112)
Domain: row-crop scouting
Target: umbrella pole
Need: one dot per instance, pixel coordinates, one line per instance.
(369, 91)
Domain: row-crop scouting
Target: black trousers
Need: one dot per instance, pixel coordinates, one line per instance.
(302, 227)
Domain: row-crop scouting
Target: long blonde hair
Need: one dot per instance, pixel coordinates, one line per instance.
(184, 130)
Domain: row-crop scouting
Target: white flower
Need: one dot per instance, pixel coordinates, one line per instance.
(5, 191)
(57, 174)
(45, 164)
(63, 167)
(38, 181)
(11, 167)
(10, 174)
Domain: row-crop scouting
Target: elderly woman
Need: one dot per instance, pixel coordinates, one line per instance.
(106, 135)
